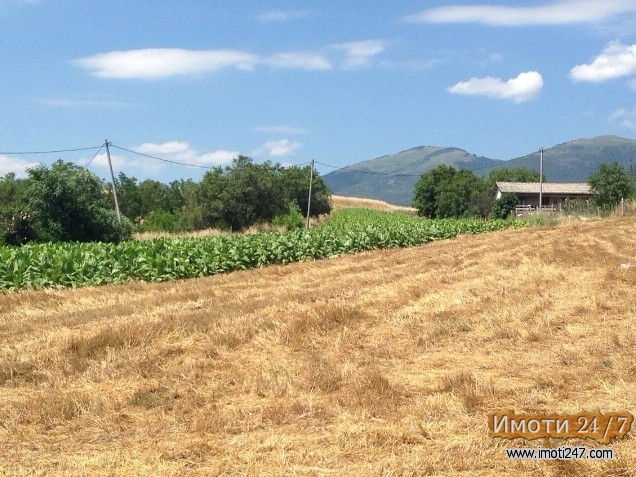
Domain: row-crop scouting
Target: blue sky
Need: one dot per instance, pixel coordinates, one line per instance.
(340, 82)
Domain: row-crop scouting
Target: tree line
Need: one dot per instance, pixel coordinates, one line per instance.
(448, 192)
(65, 202)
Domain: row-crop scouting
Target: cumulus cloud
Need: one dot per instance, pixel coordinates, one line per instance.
(360, 53)
(119, 162)
(154, 63)
(178, 151)
(282, 147)
(615, 61)
(18, 166)
(624, 117)
(524, 87)
(561, 12)
(182, 152)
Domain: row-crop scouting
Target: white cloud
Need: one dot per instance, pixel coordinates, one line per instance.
(15, 165)
(561, 12)
(624, 117)
(299, 60)
(120, 163)
(524, 87)
(282, 147)
(281, 129)
(155, 63)
(615, 61)
(178, 151)
(360, 53)
(278, 16)
(168, 148)
(182, 152)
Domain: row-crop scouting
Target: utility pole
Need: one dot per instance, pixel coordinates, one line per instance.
(112, 177)
(311, 180)
(541, 181)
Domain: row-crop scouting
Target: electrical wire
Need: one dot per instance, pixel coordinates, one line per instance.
(96, 154)
(50, 152)
(178, 162)
(162, 159)
(348, 169)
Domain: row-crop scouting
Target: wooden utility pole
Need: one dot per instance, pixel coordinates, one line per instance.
(311, 180)
(541, 180)
(112, 177)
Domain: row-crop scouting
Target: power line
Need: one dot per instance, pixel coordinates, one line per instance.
(50, 152)
(348, 169)
(178, 162)
(96, 154)
(162, 159)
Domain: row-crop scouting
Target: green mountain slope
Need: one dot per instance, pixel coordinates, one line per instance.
(392, 178)
(574, 161)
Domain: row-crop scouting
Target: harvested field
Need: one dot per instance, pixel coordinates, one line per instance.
(342, 202)
(384, 363)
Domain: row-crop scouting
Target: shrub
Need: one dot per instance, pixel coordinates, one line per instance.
(158, 221)
(292, 219)
(502, 206)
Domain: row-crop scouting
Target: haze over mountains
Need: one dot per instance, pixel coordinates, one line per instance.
(392, 178)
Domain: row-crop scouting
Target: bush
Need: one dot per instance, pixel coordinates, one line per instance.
(611, 183)
(109, 229)
(16, 227)
(67, 203)
(502, 206)
(158, 221)
(293, 219)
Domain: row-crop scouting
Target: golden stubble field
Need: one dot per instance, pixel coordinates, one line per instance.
(378, 364)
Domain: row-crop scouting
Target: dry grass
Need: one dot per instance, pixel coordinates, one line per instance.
(341, 202)
(255, 229)
(379, 364)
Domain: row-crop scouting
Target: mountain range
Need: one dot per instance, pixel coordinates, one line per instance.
(392, 178)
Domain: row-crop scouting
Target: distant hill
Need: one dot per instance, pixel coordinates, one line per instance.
(392, 178)
(574, 161)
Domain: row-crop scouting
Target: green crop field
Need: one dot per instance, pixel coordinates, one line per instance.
(162, 259)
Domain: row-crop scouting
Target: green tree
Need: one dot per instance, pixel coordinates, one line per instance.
(610, 183)
(502, 206)
(447, 192)
(156, 196)
(69, 203)
(245, 193)
(190, 214)
(294, 181)
(512, 174)
(128, 196)
(16, 226)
